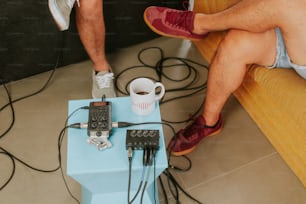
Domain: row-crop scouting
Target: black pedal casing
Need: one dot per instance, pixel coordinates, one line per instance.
(142, 139)
(100, 119)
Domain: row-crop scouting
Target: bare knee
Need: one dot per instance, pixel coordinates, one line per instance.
(89, 10)
(242, 48)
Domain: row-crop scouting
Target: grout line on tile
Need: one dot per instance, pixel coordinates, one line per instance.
(235, 169)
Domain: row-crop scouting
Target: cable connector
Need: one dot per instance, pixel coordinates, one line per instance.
(121, 124)
(78, 125)
(147, 159)
(130, 153)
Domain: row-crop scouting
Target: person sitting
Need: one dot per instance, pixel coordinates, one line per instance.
(270, 33)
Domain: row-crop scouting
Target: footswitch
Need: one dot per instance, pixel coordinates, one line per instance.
(142, 139)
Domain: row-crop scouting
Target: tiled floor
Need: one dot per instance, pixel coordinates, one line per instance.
(239, 166)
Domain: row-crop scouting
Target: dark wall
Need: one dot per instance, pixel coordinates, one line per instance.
(30, 41)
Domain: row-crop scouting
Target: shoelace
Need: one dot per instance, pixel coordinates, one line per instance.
(181, 20)
(104, 81)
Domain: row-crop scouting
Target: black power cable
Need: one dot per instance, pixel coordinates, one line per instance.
(60, 137)
(12, 111)
(159, 68)
(11, 101)
(13, 171)
(172, 183)
(178, 187)
(59, 167)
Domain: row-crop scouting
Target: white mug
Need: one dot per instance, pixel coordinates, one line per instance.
(143, 95)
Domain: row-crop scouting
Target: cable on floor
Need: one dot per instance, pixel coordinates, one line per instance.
(158, 71)
(60, 137)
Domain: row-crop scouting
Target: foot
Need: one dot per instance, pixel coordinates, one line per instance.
(171, 23)
(103, 84)
(185, 140)
(60, 11)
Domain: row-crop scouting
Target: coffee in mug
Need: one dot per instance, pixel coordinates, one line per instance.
(143, 95)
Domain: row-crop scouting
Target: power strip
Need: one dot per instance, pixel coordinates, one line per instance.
(142, 139)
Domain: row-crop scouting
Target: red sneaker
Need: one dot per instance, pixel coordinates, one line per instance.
(186, 139)
(171, 23)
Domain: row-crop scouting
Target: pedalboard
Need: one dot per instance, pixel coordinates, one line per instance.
(142, 139)
(99, 124)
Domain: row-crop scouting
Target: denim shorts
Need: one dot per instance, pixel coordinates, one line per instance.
(282, 59)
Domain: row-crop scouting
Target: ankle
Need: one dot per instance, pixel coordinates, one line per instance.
(98, 71)
(210, 121)
(211, 126)
(101, 67)
(197, 29)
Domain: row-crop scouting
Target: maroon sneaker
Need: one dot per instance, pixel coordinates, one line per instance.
(171, 23)
(186, 139)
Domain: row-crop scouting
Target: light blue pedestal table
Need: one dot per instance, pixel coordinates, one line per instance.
(103, 175)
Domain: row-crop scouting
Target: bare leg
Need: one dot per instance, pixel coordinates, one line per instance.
(250, 15)
(228, 68)
(90, 24)
(259, 16)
